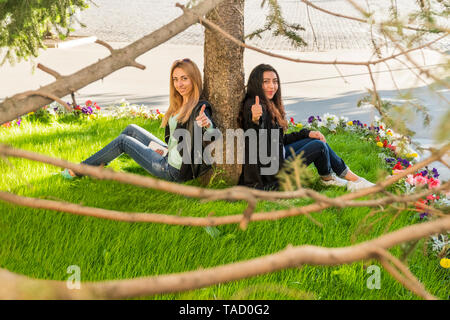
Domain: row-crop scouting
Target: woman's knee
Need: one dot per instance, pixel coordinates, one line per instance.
(319, 145)
(130, 129)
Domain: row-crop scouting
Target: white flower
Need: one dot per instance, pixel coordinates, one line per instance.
(342, 118)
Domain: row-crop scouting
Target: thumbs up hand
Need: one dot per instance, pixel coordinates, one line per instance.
(256, 111)
(202, 120)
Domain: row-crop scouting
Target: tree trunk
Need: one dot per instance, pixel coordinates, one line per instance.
(224, 75)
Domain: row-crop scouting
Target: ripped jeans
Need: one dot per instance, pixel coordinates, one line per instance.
(134, 141)
(315, 151)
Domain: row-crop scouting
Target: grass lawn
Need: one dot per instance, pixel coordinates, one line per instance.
(42, 244)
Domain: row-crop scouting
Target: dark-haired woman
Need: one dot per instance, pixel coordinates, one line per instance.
(263, 109)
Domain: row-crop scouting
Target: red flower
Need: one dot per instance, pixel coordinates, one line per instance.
(157, 111)
(398, 166)
(365, 125)
(88, 103)
(292, 120)
(381, 127)
(78, 108)
(420, 204)
(96, 106)
(385, 143)
(377, 139)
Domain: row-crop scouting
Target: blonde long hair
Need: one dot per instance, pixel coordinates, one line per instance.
(176, 99)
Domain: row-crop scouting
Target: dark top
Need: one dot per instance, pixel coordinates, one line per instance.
(251, 173)
(192, 170)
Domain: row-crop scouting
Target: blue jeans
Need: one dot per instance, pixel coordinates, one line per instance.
(134, 141)
(324, 158)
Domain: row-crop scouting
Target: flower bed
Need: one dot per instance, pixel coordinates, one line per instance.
(399, 155)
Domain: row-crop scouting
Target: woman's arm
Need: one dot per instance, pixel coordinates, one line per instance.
(248, 117)
(294, 136)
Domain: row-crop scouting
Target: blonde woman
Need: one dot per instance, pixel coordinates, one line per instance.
(165, 160)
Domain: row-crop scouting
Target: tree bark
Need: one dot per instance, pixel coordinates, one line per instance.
(224, 74)
(21, 103)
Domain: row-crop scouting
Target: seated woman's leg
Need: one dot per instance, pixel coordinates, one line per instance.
(314, 151)
(112, 150)
(142, 135)
(337, 164)
(150, 160)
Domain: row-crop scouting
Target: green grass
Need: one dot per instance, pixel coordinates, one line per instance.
(42, 244)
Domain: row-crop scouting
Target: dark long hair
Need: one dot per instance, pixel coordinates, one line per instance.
(255, 88)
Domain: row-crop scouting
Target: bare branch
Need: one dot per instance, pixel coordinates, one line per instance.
(106, 45)
(385, 23)
(49, 71)
(408, 280)
(215, 27)
(46, 95)
(18, 287)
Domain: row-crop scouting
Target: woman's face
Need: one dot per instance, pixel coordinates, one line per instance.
(182, 82)
(270, 84)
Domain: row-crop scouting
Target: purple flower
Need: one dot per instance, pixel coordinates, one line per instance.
(86, 110)
(19, 121)
(423, 215)
(405, 162)
(318, 118)
(435, 173)
(311, 119)
(424, 173)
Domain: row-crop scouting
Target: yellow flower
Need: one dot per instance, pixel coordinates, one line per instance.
(380, 144)
(92, 116)
(389, 133)
(445, 263)
(414, 155)
(160, 116)
(31, 113)
(350, 123)
(299, 125)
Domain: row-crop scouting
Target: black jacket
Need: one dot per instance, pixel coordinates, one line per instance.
(251, 173)
(191, 170)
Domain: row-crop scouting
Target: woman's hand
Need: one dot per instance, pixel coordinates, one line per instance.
(256, 111)
(317, 135)
(202, 120)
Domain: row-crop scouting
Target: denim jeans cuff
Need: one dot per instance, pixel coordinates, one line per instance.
(344, 173)
(325, 175)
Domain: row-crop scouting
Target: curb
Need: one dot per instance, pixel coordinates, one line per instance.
(70, 43)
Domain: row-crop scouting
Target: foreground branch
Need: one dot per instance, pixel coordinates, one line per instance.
(234, 193)
(20, 287)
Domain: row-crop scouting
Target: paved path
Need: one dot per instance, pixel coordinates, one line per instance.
(125, 21)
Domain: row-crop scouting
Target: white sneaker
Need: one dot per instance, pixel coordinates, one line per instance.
(334, 181)
(359, 184)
